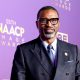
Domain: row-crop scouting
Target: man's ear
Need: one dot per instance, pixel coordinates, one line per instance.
(37, 24)
(59, 23)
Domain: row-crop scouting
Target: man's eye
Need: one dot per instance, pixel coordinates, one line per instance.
(42, 20)
(54, 20)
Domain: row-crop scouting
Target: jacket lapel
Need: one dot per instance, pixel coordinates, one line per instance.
(41, 55)
(59, 62)
(65, 61)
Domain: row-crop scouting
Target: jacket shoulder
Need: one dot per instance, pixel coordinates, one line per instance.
(66, 43)
(29, 44)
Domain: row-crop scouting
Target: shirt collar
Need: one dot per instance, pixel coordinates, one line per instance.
(54, 44)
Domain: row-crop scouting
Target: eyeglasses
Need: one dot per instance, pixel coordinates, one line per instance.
(53, 21)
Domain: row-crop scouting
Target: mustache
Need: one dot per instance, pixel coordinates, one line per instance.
(49, 29)
(49, 26)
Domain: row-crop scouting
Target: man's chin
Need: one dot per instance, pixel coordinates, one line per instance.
(49, 36)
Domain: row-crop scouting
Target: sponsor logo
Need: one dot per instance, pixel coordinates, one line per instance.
(64, 4)
(62, 36)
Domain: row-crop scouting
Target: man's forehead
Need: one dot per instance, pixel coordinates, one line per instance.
(48, 13)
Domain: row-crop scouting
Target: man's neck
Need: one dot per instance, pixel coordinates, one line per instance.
(48, 40)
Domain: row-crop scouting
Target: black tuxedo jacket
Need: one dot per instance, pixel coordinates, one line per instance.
(31, 62)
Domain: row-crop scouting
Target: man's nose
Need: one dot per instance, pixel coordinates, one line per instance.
(48, 24)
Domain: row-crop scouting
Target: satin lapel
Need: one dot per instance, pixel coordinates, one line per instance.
(41, 55)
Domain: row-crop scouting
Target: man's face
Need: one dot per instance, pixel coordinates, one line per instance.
(48, 23)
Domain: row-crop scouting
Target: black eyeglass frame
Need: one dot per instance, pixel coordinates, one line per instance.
(44, 21)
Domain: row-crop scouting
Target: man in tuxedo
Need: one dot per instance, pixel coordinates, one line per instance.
(46, 58)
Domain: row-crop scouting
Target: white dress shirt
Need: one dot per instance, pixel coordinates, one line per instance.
(54, 45)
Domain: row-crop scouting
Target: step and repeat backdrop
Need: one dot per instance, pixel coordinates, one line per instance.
(17, 25)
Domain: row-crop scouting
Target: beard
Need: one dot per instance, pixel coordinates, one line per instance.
(49, 35)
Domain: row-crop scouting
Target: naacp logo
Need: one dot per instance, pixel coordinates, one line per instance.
(10, 33)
